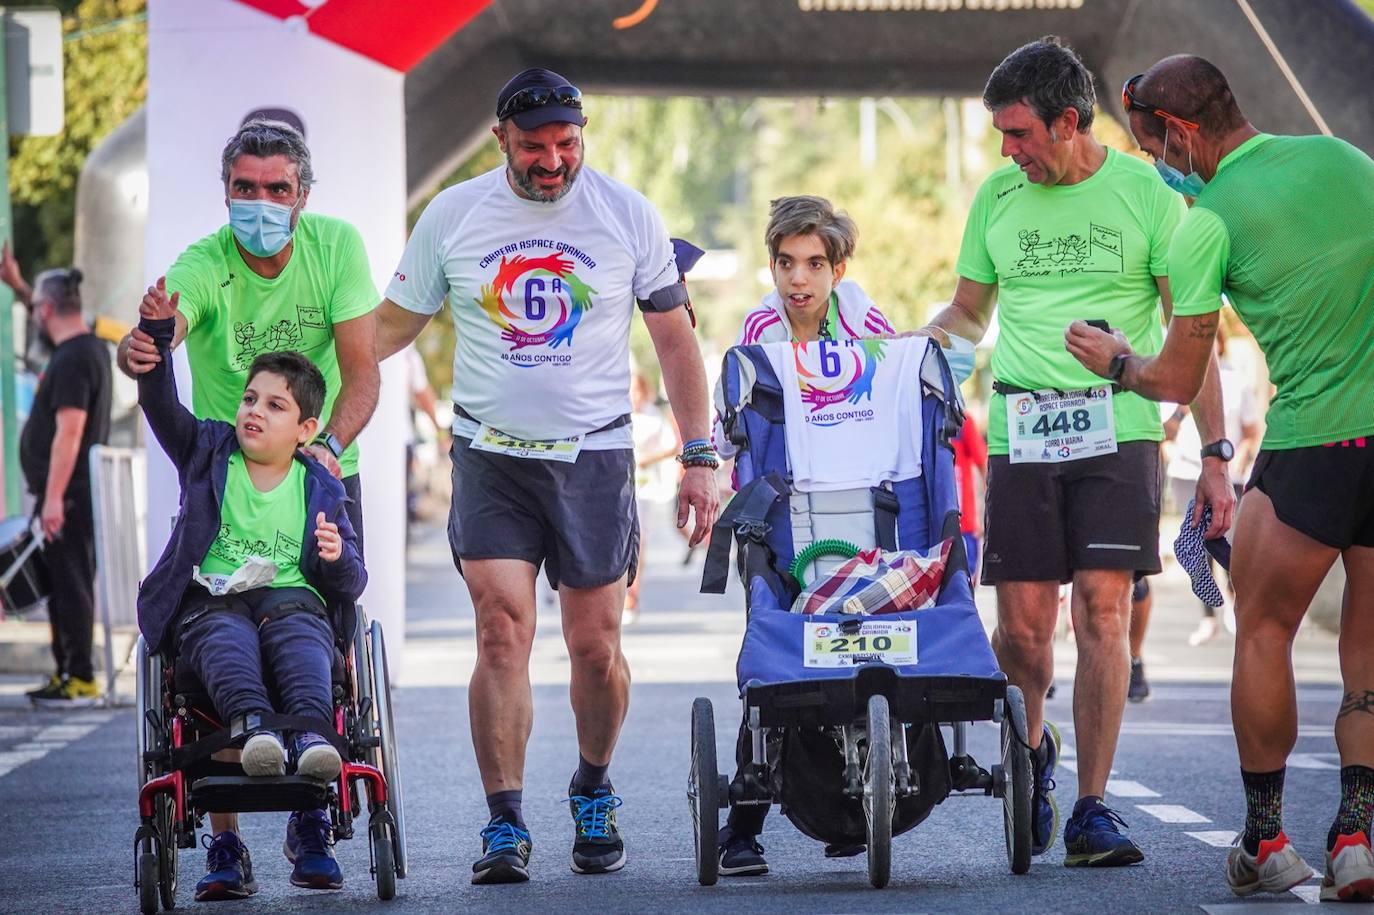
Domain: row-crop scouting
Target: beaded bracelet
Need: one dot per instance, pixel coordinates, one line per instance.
(701, 459)
(696, 443)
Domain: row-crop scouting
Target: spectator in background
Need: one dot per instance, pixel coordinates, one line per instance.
(656, 442)
(971, 466)
(71, 413)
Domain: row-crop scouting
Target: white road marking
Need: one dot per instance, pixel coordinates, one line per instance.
(42, 740)
(1308, 893)
(1218, 839)
(1172, 813)
(1312, 761)
(1188, 729)
(1125, 788)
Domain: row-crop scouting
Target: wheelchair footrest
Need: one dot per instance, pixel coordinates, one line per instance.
(244, 794)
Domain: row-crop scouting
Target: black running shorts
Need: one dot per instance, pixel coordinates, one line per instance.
(577, 519)
(1046, 521)
(1325, 492)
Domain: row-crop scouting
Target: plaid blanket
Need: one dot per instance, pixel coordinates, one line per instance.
(875, 582)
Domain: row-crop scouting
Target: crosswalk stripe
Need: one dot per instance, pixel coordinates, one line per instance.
(1172, 813)
(1126, 788)
(1216, 839)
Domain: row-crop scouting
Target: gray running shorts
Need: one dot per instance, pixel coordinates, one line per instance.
(576, 519)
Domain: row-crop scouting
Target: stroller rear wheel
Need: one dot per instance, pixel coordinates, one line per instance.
(703, 790)
(879, 800)
(1017, 782)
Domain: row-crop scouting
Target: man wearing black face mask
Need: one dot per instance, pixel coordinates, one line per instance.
(71, 412)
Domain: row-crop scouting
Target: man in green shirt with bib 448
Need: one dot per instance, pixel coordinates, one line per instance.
(1070, 230)
(276, 278)
(1282, 225)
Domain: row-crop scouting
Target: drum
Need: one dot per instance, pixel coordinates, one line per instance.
(23, 576)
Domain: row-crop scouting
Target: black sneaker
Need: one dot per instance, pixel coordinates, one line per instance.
(597, 846)
(740, 856)
(50, 689)
(505, 854)
(1139, 689)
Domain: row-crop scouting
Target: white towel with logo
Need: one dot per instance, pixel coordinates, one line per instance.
(853, 410)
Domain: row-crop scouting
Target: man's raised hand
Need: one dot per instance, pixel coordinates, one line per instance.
(156, 305)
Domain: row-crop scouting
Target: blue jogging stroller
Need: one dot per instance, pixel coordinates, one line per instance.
(853, 752)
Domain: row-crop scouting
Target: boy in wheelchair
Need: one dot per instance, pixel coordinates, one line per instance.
(261, 548)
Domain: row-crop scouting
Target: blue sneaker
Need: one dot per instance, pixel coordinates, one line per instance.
(505, 854)
(740, 856)
(597, 846)
(1045, 825)
(229, 870)
(1091, 837)
(310, 847)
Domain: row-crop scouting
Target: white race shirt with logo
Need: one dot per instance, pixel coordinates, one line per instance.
(853, 410)
(542, 295)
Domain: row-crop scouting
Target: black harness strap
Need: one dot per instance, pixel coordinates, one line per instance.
(746, 514)
(245, 726)
(885, 510)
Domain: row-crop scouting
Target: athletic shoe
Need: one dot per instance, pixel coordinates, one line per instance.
(505, 854)
(1206, 631)
(228, 869)
(1276, 868)
(75, 692)
(845, 849)
(1139, 690)
(1091, 837)
(1045, 825)
(316, 757)
(263, 754)
(1349, 870)
(310, 847)
(51, 688)
(740, 856)
(597, 846)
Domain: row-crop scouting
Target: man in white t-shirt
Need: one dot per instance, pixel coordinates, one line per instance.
(542, 261)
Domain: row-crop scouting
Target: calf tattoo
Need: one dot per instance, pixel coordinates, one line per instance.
(1357, 702)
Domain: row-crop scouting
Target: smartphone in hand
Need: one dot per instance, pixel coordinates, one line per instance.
(1100, 325)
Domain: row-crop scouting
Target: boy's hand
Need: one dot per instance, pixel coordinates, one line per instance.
(331, 544)
(156, 305)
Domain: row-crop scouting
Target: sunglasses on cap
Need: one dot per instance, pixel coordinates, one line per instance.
(540, 97)
(1131, 103)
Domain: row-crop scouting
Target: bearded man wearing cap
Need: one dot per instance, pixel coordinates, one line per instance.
(543, 261)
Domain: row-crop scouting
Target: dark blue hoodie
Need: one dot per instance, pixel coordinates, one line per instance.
(200, 450)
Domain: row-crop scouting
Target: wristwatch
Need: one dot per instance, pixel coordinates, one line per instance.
(1117, 367)
(330, 441)
(1221, 448)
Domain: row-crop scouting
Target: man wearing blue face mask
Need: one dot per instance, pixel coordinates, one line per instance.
(1282, 226)
(275, 278)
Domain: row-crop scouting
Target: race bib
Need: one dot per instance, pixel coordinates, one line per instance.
(1047, 427)
(888, 641)
(498, 442)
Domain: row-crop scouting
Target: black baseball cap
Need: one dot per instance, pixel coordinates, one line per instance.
(536, 97)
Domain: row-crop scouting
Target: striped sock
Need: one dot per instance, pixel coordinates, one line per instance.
(1357, 803)
(1263, 807)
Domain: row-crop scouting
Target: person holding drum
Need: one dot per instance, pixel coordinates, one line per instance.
(71, 412)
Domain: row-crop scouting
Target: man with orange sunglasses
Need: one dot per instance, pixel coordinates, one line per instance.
(1282, 226)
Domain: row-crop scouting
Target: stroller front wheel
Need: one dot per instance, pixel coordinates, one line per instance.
(879, 802)
(1017, 782)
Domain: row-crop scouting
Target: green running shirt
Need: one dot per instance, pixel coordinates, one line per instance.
(1057, 254)
(234, 315)
(266, 524)
(1286, 230)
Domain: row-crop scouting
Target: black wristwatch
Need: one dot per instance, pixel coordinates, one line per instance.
(330, 441)
(1117, 367)
(1221, 448)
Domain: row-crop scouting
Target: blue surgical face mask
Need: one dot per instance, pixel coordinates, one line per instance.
(262, 227)
(961, 359)
(1189, 185)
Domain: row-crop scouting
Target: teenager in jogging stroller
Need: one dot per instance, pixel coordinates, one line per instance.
(850, 663)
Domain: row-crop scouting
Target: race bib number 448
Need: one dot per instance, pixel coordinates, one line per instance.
(1048, 427)
(890, 642)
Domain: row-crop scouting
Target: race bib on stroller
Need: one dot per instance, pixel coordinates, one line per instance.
(886, 641)
(498, 442)
(1049, 427)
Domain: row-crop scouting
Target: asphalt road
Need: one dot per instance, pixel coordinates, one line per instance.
(68, 787)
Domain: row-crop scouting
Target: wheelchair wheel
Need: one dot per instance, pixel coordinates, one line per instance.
(167, 852)
(1017, 781)
(879, 800)
(389, 762)
(703, 790)
(147, 883)
(383, 861)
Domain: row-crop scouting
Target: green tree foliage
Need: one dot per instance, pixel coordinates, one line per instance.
(105, 60)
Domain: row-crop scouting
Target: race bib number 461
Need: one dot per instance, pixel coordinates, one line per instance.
(1048, 427)
(891, 642)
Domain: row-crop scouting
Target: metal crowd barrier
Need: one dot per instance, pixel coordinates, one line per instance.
(120, 502)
